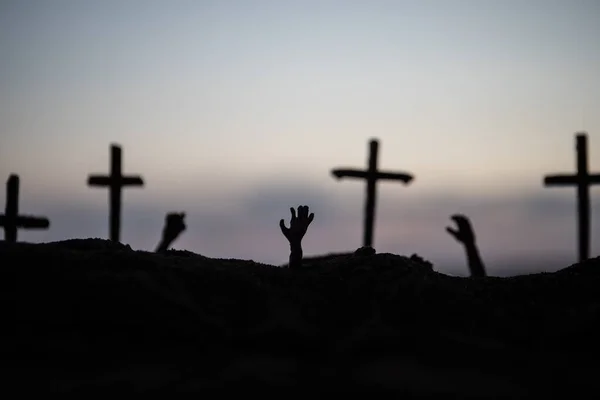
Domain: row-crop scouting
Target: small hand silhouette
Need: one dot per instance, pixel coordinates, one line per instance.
(298, 225)
(295, 233)
(464, 234)
(174, 225)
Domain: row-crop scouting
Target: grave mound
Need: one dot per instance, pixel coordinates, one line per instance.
(90, 315)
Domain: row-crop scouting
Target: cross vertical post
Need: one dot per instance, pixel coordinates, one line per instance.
(115, 192)
(11, 221)
(372, 175)
(583, 198)
(583, 179)
(12, 209)
(371, 193)
(115, 183)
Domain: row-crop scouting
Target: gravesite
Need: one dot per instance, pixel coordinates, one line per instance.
(373, 198)
(93, 315)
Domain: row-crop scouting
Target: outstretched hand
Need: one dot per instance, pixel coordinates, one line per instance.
(298, 225)
(464, 234)
(174, 225)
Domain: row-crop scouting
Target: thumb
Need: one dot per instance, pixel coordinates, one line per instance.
(452, 232)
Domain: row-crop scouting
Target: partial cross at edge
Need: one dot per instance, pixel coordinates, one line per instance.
(583, 180)
(11, 221)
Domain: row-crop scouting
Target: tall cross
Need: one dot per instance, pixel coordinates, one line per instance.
(115, 182)
(11, 220)
(582, 180)
(371, 175)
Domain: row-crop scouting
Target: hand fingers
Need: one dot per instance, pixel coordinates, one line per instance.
(464, 224)
(452, 231)
(284, 229)
(459, 218)
(302, 212)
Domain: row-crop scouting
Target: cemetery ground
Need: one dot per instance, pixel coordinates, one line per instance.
(95, 316)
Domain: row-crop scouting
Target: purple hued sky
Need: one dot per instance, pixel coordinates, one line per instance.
(234, 111)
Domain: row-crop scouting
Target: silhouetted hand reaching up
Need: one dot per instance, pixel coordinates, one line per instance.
(295, 233)
(465, 235)
(174, 226)
(298, 225)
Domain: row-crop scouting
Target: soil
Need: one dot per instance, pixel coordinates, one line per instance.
(93, 316)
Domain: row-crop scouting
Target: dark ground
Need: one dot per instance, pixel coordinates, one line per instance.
(93, 316)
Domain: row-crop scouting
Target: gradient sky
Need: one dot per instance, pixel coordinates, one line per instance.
(233, 111)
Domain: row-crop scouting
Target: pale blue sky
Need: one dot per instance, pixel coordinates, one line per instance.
(236, 110)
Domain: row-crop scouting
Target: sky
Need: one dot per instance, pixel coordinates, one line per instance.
(235, 111)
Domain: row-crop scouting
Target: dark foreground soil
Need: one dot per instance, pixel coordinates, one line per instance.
(91, 316)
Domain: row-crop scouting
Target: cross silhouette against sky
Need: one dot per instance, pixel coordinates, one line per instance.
(372, 175)
(115, 183)
(11, 221)
(583, 180)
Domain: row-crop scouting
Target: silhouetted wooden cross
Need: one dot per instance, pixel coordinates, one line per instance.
(371, 175)
(115, 182)
(582, 180)
(11, 220)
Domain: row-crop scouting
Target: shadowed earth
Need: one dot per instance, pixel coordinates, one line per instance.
(95, 316)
